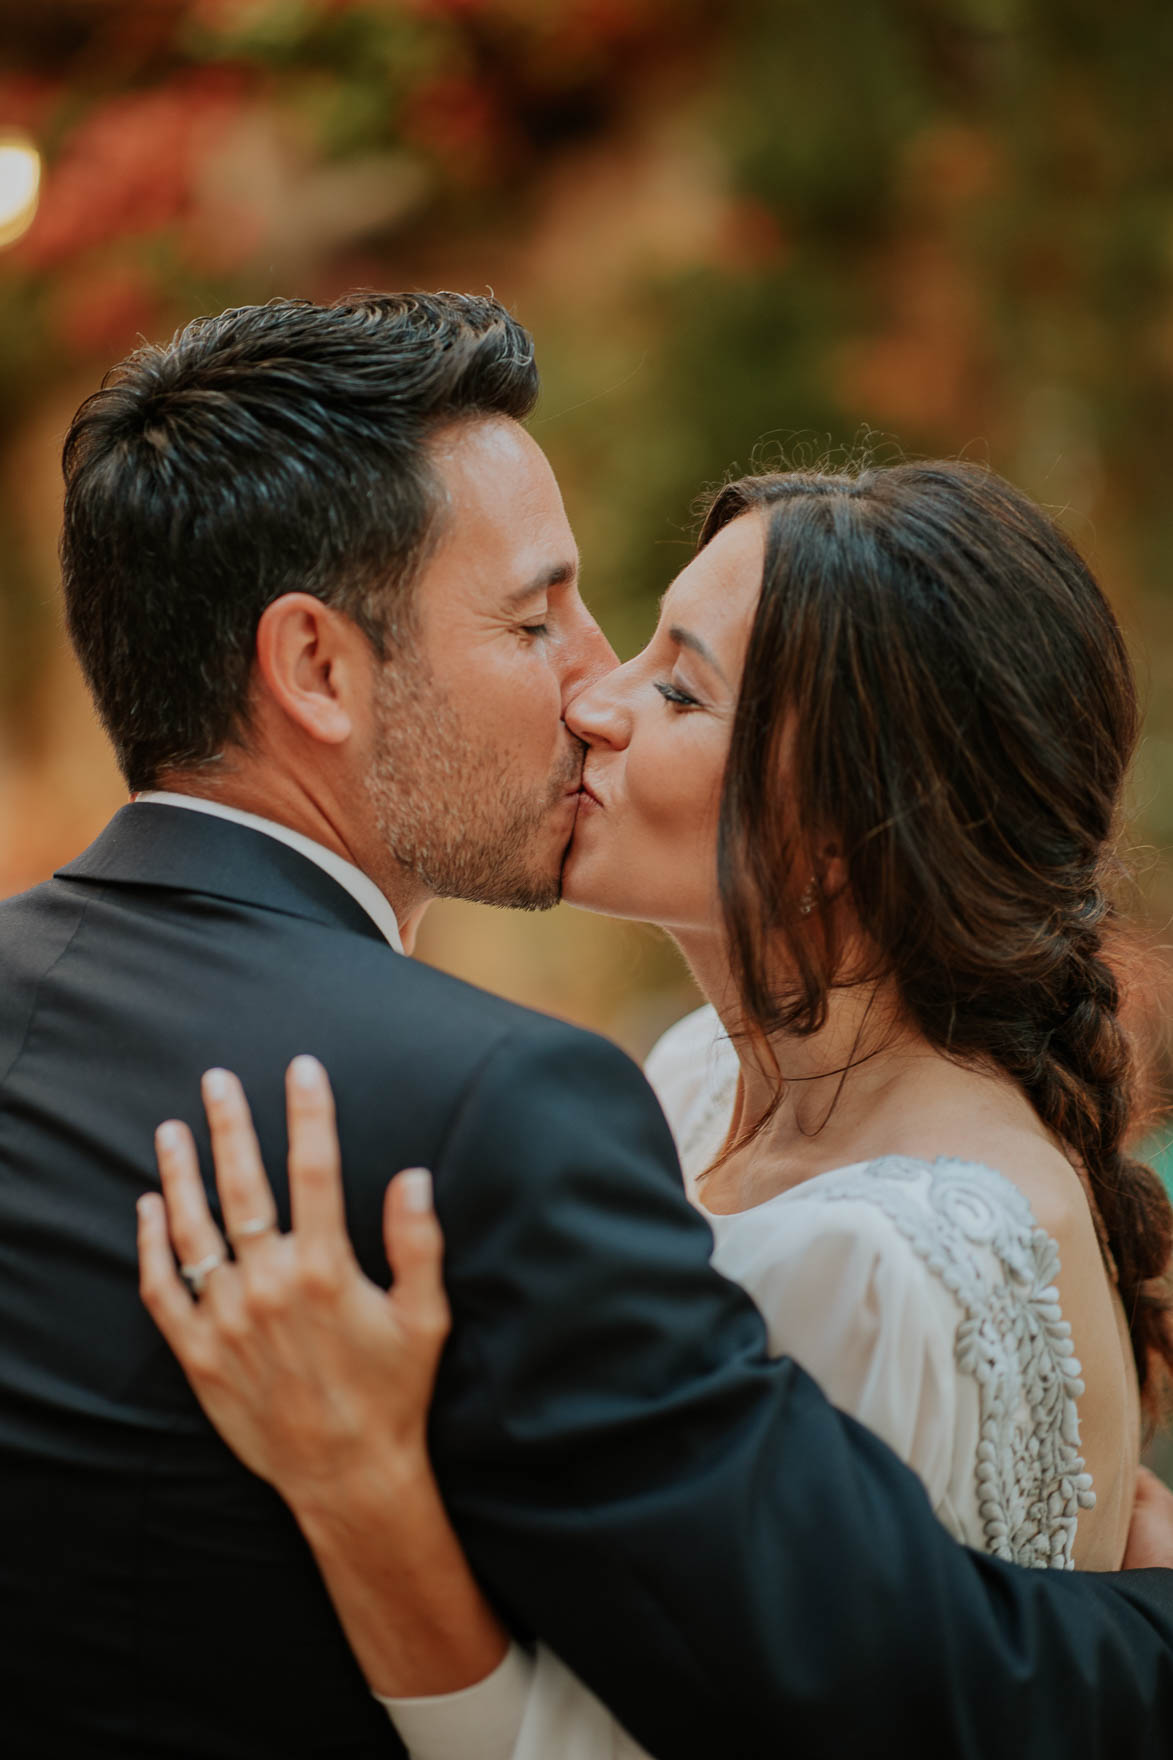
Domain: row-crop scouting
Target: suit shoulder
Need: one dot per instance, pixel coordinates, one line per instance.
(36, 901)
(390, 983)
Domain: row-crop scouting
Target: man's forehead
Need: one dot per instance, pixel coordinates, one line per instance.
(504, 507)
(491, 457)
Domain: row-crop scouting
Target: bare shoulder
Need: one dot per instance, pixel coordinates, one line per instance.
(966, 1115)
(1046, 1178)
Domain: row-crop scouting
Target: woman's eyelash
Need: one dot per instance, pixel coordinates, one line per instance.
(671, 695)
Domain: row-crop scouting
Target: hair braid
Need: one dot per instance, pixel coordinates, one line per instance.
(1081, 1085)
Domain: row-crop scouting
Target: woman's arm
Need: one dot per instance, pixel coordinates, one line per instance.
(344, 1440)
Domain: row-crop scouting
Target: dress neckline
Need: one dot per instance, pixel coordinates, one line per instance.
(921, 1163)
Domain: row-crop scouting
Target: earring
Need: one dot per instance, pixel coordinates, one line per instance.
(806, 903)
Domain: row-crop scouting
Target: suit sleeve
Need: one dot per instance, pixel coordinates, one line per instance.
(732, 1565)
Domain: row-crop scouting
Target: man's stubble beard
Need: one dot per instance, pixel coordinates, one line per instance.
(443, 808)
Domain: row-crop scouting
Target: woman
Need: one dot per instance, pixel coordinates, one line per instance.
(867, 774)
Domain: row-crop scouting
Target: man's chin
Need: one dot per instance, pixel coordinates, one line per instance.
(533, 893)
(529, 890)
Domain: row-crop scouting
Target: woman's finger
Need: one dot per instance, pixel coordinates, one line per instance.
(168, 1303)
(197, 1240)
(415, 1252)
(315, 1161)
(246, 1199)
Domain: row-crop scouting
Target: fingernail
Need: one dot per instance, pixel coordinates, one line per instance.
(306, 1072)
(216, 1084)
(168, 1135)
(417, 1190)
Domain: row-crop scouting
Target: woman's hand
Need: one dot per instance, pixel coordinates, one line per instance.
(320, 1380)
(312, 1374)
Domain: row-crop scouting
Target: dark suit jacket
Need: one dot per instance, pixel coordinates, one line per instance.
(734, 1566)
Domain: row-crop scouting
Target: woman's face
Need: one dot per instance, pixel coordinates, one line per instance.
(658, 728)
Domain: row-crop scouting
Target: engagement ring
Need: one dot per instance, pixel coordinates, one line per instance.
(195, 1276)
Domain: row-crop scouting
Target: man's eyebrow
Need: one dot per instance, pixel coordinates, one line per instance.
(557, 575)
(685, 638)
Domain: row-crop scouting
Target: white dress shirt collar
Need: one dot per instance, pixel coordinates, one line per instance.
(359, 885)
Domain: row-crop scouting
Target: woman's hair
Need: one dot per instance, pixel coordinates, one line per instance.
(935, 683)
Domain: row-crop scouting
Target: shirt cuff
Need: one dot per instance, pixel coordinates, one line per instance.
(481, 1722)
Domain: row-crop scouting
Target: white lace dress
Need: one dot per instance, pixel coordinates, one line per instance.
(921, 1296)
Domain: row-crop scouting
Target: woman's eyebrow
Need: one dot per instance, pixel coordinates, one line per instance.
(685, 638)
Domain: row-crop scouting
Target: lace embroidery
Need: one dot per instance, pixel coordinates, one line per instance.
(1013, 1341)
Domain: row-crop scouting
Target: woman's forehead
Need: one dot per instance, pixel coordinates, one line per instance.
(720, 586)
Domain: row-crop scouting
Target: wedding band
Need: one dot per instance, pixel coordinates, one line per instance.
(195, 1276)
(254, 1226)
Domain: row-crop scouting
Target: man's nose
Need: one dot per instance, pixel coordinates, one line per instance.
(593, 658)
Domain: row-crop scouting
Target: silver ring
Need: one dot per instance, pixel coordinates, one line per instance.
(195, 1276)
(249, 1230)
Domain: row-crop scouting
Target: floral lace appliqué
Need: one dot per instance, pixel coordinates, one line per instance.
(1013, 1341)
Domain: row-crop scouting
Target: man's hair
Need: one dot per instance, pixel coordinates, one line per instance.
(274, 449)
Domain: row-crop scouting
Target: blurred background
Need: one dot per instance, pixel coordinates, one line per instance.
(735, 230)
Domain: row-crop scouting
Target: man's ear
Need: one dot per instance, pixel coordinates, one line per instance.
(314, 665)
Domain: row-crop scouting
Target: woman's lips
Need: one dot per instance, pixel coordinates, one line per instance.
(589, 797)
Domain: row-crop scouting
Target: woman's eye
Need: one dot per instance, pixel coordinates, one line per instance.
(671, 694)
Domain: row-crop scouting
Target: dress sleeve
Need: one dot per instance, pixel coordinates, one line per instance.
(686, 1063)
(481, 1722)
(529, 1708)
(844, 1294)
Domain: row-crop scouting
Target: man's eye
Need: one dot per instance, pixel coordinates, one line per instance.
(535, 629)
(682, 699)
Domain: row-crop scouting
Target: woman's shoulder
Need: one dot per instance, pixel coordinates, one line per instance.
(938, 1209)
(957, 1224)
(689, 1042)
(692, 1069)
(922, 1295)
(950, 1212)
(921, 1227)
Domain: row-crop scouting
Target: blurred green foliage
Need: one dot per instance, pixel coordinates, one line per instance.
(948, 221)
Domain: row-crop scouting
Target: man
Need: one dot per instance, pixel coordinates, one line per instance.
(324, 591)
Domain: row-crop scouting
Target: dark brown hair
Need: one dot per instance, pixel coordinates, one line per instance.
(958, 711)
(274, 449)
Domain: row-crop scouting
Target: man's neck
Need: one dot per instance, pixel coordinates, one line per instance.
(283, 801)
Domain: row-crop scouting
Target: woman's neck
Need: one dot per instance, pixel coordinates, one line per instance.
(830, 1082)
(867, 1083)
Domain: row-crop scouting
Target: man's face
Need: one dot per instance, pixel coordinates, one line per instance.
(475, 777)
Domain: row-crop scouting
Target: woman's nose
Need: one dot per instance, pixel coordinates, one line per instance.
(600, 714)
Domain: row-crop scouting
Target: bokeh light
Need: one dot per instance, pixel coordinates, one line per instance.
(20, 185)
